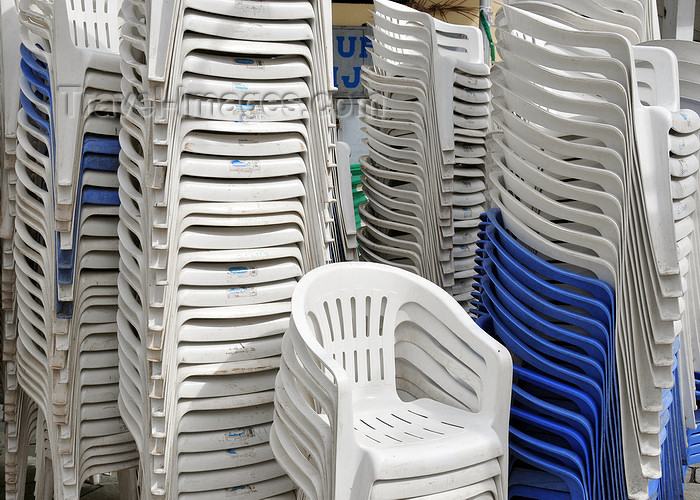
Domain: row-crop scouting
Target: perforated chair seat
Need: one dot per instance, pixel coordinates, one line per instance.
(407, 439)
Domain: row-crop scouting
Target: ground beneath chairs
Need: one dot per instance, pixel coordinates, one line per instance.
(692, 484)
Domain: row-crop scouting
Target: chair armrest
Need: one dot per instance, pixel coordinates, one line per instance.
(462, 360)
(331, 386)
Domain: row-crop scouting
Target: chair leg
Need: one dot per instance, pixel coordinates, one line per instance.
(25, 427)
(128, 484)
(502, 481)
(44, 479)
(362, 483)
(44, 489)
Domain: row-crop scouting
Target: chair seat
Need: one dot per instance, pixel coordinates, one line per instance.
(421, 437)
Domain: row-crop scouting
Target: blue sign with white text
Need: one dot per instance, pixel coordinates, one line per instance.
(351, 49)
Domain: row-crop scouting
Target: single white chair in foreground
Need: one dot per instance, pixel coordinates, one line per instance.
(388, 389)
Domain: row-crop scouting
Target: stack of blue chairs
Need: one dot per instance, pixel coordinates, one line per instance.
(100, 154)
(559, 326)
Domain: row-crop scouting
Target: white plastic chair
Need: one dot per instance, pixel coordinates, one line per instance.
(348, 426)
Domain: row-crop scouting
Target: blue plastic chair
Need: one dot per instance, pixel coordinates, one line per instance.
(100, 154)
(547, 309)
(533, 485)
(596, 288)
(559, 326)
(551, 339)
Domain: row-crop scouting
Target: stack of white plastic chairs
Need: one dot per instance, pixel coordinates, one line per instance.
(65, 245)
(224, 191)
(426, 119)
(19, 411)
(684, 156)
(687, 165)
(388, 389)
(689, 83)
(603, 117)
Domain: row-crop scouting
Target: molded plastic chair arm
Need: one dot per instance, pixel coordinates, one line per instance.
(326, 383)
(318, 389)
(330, 381)
(465, 350)
(309, 431)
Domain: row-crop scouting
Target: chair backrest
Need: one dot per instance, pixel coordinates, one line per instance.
(353, 321)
